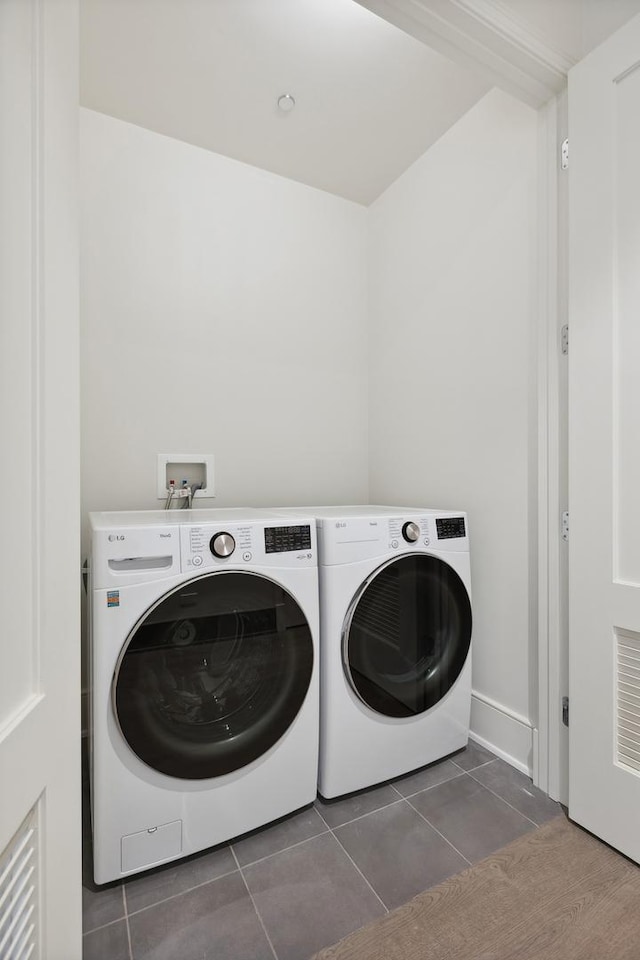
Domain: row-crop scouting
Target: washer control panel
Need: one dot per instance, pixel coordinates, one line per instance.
(287, 539)
(222, 544)
(206, 546)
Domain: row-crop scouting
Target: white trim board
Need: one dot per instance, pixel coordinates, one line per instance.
(486, 36)
(551, 774)
(506, 733)
(547, 480)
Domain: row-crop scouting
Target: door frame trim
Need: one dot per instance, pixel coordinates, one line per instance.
(550, 753)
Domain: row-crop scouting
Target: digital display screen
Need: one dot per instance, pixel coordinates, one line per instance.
(449, 528)
(285, 539)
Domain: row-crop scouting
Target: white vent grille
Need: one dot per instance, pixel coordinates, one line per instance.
(628, 698)
(19, 894)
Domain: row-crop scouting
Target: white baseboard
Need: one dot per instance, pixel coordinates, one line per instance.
(506, 733)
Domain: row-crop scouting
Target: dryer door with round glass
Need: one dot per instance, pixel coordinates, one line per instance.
(213, 675)
(406, 635)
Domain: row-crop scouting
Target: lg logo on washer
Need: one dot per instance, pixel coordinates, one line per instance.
(113, 537)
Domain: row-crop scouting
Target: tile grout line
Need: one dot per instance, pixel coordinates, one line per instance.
(362, 815)
(433, 827)
(149, 906)
(402, 796)
(433, 786)
(342, 847)
(111, 923)
(258, 915)
(268, 856)
(485, 764)
(497, 795)
(126, 920)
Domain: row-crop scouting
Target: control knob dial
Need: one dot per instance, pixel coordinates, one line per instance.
(222, 545)
(411, 532)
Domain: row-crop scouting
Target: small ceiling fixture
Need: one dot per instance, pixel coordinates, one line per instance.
(286, 103)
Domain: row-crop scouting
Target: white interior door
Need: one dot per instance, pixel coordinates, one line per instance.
(604, 441)
(40, 820)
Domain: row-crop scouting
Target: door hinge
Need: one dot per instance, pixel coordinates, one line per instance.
(564, 529)
(564, 338)
(565, 711)
(564, 154)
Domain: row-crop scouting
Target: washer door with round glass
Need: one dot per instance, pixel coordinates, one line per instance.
(407, 635)
(213, 675)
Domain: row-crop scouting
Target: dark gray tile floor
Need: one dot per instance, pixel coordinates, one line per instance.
(286, 891)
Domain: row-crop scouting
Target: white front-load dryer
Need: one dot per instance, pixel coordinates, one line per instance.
(204, 669)
(395, 641)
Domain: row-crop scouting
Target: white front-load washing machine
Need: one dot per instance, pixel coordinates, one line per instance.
(395, 641)
(204, 680)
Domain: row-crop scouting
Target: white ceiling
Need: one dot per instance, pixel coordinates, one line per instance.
(369, 98)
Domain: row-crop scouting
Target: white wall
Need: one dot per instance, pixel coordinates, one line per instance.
(452, 308)
(223, 311)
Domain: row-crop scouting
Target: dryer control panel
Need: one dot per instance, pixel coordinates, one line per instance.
(427, 530)
(349, 539)
(450, 528)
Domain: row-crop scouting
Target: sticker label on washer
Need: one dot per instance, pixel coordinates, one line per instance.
(113, 598)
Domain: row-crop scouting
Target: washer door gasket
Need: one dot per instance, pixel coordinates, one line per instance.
(406, 635)
(213, 675)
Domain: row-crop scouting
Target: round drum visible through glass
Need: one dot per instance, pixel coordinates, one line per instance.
(213, 675)
(407, 635)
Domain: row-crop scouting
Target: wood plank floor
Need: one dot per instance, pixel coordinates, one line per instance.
(555, 894)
